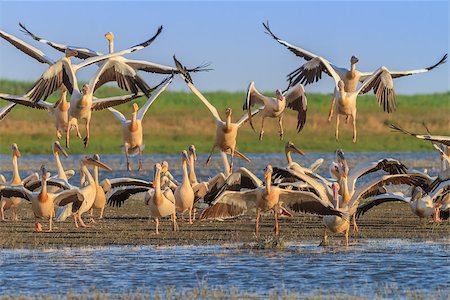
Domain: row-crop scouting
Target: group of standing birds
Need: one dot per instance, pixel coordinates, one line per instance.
(285, 190)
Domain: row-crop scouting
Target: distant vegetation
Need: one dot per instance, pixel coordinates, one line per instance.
(178, 119)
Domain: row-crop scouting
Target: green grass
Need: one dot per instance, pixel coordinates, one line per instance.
(178, 119)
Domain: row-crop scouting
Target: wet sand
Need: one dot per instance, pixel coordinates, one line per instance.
(128, 225)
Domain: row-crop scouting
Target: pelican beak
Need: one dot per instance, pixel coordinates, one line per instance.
(193, 152)
(135, 107)
(43, 173)
(60, 149)
(164, 168)
(296, 149)
(109, 36)
(185, 156)
(15, 150)
(98, 163)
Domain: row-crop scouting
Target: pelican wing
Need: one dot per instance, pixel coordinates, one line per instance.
(73, 196)
(229, 204)
(252, 98)
(150, 67)
(247, 117)
(296, 100)
(29, 178)
(433, 138)
(16, 191)
(6, 109)
(103, 103)
(37, 184)
(26, 48)
(397, 74)
(120, 196)
(125, 182)
(25, 101)
(141, 112)
(383, 87)
(306, 202)
(118, 115)
(83, 52)
(380, 199)
(183, 72)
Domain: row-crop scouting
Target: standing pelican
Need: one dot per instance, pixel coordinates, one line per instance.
(13, 202)
(42, 201)
(226, 131)
(275, 107)
(184, 194)
(132, 129)
(100, 195)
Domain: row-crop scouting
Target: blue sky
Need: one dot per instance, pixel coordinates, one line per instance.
(400, 35)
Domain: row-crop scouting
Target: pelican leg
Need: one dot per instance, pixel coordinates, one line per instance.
(14, 211)
(231, 160)
(354, 127)
(2, 210)
(126, 155)
(347, 118)
(333, 100)
(86, 139)
(337, 127)
(75, 220)
(355, 226)
(210, 154)
(190, 215)
(91, 215)
(80, 220)
(275, 215)
(436, 217)
(37, 224)
(174, 222)
(258, 214)
(324, 242)
(262, 129)
(157, 225)
(58, 134)
(75, 124)
(280, 123)
(50, 222)
(140, 159)
(101, 213)
(346, 237)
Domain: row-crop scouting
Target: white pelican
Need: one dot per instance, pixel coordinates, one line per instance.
(13, 202)
(312, 71)
(88, 191)
(43, 201)
(226, 131)
(132, 129)
(162, 203)
(6, 109)
(266, 197)
(100, 195)
(184, 194)
(63, 72)
(275, 107)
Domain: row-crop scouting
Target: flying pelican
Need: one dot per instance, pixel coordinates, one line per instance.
(132, 129)
(275, 107)
(4, 111)
(43, 201)
(88, 191)
(184, 194)
(312, 71)
(226, 131)
(265, 197)
(63, 72)
(13, 202)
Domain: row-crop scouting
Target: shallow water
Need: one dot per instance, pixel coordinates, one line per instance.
(29, 164)
(363, 268)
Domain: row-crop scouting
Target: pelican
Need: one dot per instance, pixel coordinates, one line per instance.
(162, 203)
(84, 53)
(63, 72)
(13, 202)
(132, 129)
(184, 194)
(265, 197)
(226, 131)
(43, 201)
(5, 110)
(100, 195)
(275, 107)
(88, 191)
(312, 71)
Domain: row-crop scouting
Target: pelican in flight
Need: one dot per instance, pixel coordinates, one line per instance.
(226, 131)
(43, 201)
(313, 70)
(6, 109)
(13, 202)
(275, 107)
(265, 196)
(132, 129)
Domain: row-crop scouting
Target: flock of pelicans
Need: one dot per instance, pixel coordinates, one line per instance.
(284, 190)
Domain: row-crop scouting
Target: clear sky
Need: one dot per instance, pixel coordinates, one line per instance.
(400, 35)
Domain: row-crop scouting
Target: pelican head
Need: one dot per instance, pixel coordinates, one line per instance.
(334, 170)
(43, 172)
(193, 152)
(96, 157)
(228, 112)
(341, 85)
(354, 60)
(71, 52)
(279, 95)
(109, 36)
(57, 148)
(63, 89)
(95, 162)
(135, 107)
(165, 166)
(291, 147)
(15, 150)
(85, 88)
(340, 156)
(157, 169)
(184, 156)
(268, 170)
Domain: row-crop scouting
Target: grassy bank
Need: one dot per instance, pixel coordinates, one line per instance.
(178, 119)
